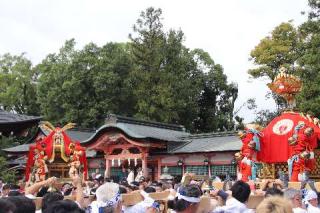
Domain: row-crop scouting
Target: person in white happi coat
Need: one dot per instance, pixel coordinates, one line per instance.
(237, 202)
(311, 201)
(139, 175)
(295, 196)
(130, 177)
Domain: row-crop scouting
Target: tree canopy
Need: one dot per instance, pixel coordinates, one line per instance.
(154, 76)
(297, 49)
(309, 62)
(18, 84)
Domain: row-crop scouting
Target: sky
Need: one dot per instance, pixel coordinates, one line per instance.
(227, 30)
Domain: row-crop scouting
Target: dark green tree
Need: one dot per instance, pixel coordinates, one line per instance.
(217, 97)
(55, 71)
(18, 85)
(181, 81)
(174, 84)
(99, 84)
(298, 50)
(148, 58)
(82, 86)
(280, 49)
(263, 117)
(309, 99)
(152, 77)
(7, 175)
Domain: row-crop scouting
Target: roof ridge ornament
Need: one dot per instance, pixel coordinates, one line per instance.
(111, 119)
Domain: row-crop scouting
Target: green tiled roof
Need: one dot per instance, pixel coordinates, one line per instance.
(76, 134)
(73, 134)
(8, 117)
(178, 140)
(11, 123)
(19, 148)
(213, 142)
(140, 129)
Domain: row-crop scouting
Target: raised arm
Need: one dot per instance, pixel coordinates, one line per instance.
(34, 188)
(79, 191)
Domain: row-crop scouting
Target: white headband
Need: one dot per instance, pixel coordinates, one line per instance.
(95, 206)
(189, 199)
(310, 195)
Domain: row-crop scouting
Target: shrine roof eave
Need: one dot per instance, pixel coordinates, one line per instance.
(11, 123)
(24, 149)
(8, 118)
(20, 149)
(18, 127)
(22, 121)
(130, 131)
(75, 134)
(221, 143)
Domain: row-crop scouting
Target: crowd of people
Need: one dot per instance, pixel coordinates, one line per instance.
(102, 195)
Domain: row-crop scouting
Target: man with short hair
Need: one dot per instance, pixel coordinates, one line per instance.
(295, 197)
(22, 204)
(14, 190)
(237, 203)
(64, 206)
(6, 206)
(50, 198)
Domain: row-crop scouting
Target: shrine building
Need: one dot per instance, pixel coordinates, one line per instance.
(124, 142)
(15, 124)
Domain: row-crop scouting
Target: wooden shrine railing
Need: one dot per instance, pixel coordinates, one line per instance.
(315, 174)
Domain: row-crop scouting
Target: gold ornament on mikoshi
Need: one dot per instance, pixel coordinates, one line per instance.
(286, 85)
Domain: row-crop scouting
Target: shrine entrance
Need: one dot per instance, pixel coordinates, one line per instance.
(122, 153)
(58, 168)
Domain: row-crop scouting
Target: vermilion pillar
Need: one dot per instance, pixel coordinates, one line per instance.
(159, 169)
(209, 166)
(107, 171)
(144, 163)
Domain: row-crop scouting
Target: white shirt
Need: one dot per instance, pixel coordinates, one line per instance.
(299, 210)
(130, 177)
(140, 207)
(312, 209)
(217, 179)
(232, 205)
(139, 175)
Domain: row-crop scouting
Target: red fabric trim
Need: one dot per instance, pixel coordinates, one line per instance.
(47, 145)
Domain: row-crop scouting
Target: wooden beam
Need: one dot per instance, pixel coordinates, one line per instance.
(124, 156)
(105, 140)
(135, 197)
